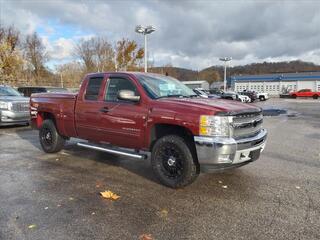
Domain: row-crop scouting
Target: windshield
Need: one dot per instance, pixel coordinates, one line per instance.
(8, 91)
(164, 86)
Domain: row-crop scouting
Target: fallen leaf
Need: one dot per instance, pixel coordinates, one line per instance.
(224, 186)
(32, 226)
(145, 237)
(163, 213)
(109, 195)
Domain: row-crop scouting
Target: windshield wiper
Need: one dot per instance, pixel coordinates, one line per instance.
(194, 95)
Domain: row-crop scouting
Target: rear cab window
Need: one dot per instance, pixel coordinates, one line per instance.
(93, 88)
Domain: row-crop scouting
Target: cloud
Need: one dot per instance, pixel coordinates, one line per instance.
(189, 33)
(62, 48)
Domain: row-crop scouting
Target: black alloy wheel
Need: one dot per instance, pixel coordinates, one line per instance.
(174, 161)
(46, 136)
(171, 159)
(51, 141)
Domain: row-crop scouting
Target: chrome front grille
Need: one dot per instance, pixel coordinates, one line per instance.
(20, 107)
(246, 124)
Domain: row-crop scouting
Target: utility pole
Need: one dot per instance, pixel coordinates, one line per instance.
(61, 80)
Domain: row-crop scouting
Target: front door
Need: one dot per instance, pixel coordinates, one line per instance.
(124, 121)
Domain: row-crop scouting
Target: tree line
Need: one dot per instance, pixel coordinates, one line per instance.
(23, 59)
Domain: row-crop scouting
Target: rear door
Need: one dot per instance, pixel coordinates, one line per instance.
(88, 108)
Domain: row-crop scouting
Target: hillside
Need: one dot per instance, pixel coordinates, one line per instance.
(215, 73)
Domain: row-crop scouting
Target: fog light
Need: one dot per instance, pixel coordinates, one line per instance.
(225, 158)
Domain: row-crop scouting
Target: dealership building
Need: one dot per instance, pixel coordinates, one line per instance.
(197, 84)
(276, 83)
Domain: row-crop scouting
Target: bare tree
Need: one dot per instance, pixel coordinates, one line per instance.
(85, 52)
(70, 74)
(35, 54)
(96, 53)
(104, 55)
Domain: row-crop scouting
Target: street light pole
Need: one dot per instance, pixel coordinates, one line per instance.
(145, 31)
(225, 77)
(225, 60)
(145, 54)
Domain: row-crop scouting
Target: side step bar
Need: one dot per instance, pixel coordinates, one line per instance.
(112, 150)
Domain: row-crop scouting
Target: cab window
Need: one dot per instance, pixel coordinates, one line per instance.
(117, 84)
(93, 88)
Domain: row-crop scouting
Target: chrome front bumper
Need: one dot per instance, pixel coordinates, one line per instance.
(217, 153)
(11, 118)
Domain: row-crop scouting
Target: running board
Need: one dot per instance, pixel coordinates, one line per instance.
(112, 150)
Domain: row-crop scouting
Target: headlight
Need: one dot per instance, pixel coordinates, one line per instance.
(4, 105)
(219, 126)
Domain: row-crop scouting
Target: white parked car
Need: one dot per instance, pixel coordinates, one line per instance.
(244, 98)
(262, 96)
(200, 92)
(236, 96)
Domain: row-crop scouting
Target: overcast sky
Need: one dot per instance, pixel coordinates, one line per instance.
(190, 34)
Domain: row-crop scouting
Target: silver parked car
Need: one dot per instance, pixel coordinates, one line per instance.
(14, 108)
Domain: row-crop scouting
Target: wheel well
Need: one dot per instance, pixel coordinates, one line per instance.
(160, 130)
(47, 115)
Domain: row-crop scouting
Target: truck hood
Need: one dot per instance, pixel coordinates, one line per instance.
(13, 99)
(216, 105)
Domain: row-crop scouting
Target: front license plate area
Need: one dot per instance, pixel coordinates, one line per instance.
(255, 154)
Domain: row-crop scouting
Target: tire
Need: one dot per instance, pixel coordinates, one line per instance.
(51, 141)
(315, 96)
(173, 161)
(262, 98)
(294, 96)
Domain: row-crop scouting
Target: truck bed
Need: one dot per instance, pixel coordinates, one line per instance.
(61, 105)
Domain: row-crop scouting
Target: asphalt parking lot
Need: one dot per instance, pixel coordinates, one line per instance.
(56, 196)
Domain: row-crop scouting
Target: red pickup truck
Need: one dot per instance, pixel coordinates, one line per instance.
(134, 114)
(305, 93)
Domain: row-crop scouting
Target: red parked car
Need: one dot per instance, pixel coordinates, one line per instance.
(305, 93)
(134, 114)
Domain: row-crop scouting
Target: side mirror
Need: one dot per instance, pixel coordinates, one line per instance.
(128, 95)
